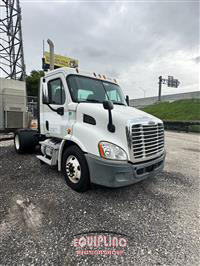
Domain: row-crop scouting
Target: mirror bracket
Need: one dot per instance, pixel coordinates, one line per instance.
(59, 110)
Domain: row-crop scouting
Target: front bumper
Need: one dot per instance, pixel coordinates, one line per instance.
(117, 173)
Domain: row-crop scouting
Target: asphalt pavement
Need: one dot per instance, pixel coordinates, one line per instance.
(159, 217)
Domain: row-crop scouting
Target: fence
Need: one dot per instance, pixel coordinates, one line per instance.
(32, 105)
(188, 126)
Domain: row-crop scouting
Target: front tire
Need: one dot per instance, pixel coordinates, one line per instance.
(75, 169)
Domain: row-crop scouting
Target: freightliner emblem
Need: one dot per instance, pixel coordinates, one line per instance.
(151, 123)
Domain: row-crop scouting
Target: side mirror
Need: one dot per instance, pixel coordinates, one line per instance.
(60, 110)
(127, 100)
(108, 105)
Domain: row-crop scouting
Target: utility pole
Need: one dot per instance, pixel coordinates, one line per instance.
(159, 88)
(11, 44)
(170, 81)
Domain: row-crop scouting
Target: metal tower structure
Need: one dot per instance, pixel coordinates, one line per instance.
(11, 44)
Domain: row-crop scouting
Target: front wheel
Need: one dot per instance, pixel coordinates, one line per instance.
(75, 169)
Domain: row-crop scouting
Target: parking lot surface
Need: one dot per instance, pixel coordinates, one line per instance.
(39, 214)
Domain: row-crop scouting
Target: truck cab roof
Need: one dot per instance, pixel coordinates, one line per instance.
(67, 71)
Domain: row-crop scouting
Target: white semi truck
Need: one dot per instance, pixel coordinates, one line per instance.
(88, 131)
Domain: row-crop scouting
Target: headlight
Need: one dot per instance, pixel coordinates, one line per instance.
(111, 151)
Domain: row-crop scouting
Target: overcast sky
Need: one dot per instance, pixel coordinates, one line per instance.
(134, 41)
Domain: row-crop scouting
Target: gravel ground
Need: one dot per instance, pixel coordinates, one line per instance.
(39, 214)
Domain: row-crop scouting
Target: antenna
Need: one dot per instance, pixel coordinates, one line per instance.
(43, 48)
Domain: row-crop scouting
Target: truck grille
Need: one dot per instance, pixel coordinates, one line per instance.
(147, 140)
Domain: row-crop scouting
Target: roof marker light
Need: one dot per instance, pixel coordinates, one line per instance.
(77, 70)
(104, 76)
(95, 74)
(100, 76)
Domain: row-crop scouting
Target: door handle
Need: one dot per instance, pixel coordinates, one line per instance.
(47, 125)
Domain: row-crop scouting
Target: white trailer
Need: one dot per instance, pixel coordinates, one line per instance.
(12, 104)
(88, 131)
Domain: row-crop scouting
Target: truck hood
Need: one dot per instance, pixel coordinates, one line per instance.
(88, 134)
(120, 113)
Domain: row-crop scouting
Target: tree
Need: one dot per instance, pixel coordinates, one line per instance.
(33, 81)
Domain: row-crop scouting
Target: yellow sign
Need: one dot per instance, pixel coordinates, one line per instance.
(61, 61)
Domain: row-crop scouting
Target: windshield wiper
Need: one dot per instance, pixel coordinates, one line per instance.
(118, 103)
(93, 101)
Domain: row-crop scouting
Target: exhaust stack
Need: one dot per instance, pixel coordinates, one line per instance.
(51, 51)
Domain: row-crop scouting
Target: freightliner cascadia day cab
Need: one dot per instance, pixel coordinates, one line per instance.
(88, 131)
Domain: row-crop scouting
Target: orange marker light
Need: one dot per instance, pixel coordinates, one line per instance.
(69, 131)
(101, 151)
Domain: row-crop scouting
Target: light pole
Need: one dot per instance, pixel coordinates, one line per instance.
(170, 81)
(159, 88)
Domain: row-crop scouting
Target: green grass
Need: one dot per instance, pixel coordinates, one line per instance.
(186, 110)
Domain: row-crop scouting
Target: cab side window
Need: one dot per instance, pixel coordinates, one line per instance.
(56, 92)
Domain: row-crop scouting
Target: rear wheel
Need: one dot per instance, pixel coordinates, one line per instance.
(75, 169)
(25, 140)
(17, 143)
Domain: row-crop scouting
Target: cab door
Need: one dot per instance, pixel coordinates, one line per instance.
(54, 122)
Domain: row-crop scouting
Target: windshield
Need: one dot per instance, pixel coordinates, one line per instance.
(84, 89)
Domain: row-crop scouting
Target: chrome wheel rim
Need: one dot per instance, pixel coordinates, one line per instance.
(73, 169)
(17, 142)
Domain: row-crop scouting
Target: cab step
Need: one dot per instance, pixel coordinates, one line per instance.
(45, 160)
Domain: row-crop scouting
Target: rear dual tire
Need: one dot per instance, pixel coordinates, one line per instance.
(25, 140)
